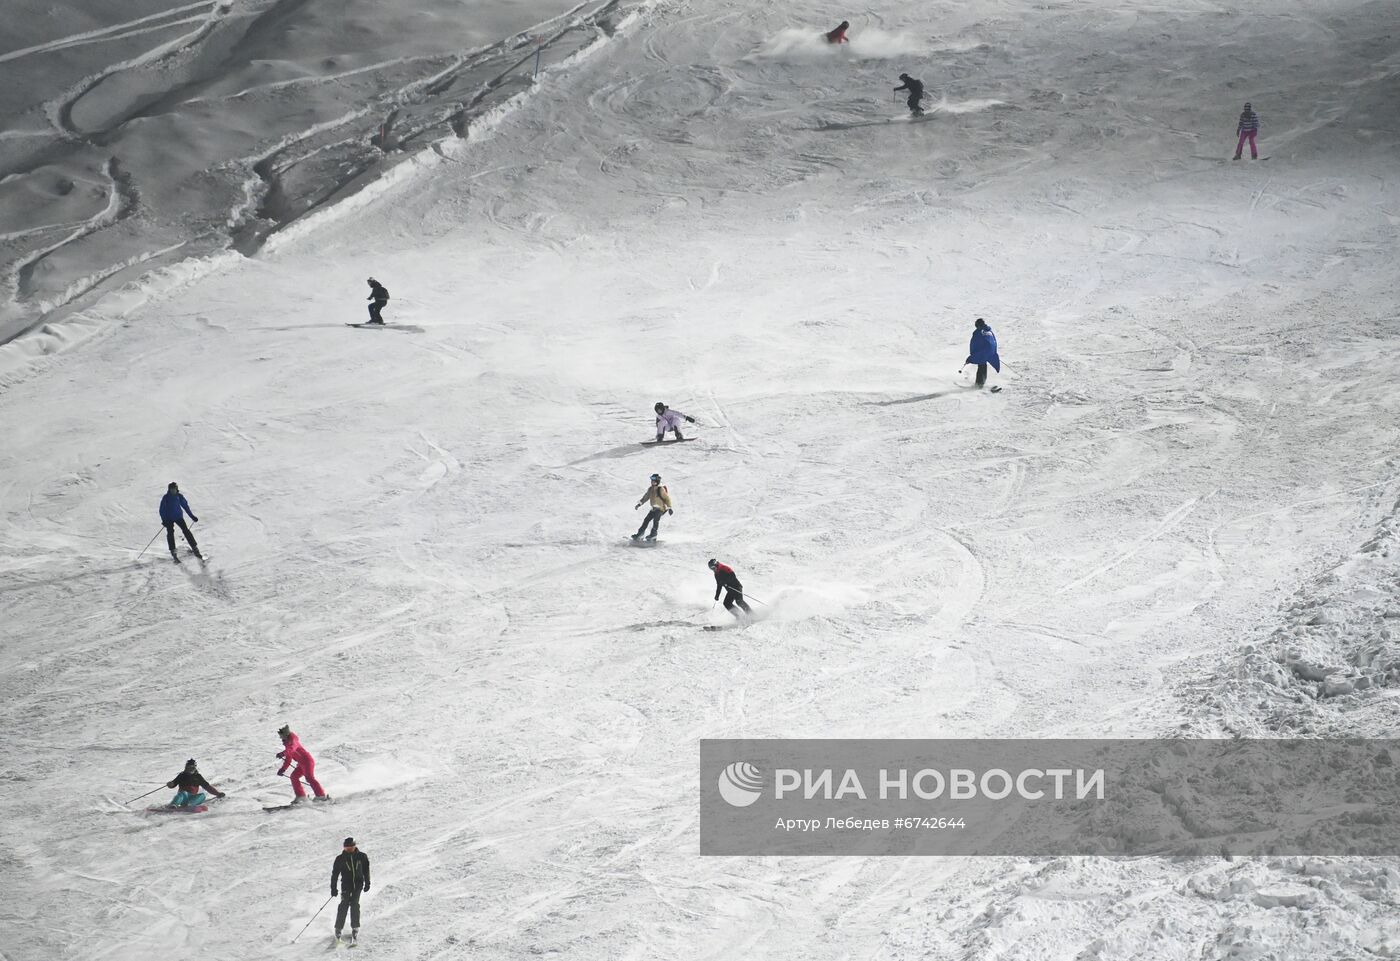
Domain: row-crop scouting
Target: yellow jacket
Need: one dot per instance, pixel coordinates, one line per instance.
(658, 495)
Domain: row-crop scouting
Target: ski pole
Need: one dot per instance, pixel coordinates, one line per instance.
(147, 794)
(148, 546)
(313, 918)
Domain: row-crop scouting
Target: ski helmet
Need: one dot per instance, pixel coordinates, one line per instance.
(659, 407)
(713, 563)
(348, 843)
(172, 486)
(284, 731)
(190, 763)
(980, 323)
(655, 478)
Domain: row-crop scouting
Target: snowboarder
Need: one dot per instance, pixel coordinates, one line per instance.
(982, 350)
(1247, 129)
(916, 93)
(173, 508)
(293, 752)
(192, 786)
(839, 34)
(378, 297)
(668, 419)
(349, 873)
(726, 580)
(660, 504)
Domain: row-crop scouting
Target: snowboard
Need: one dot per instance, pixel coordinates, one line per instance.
(653, 443)
(170, 809)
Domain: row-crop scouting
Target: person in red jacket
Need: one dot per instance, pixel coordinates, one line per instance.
(293, 753)
(839, 34)
(726, 580)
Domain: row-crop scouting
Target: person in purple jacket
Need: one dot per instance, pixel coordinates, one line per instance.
(668, 419)
(982, 350)
(173, 508)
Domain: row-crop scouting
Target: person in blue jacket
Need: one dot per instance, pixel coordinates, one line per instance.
(173, 508)
(982, 350)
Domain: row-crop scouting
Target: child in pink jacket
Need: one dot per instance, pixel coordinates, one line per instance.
(293, 753)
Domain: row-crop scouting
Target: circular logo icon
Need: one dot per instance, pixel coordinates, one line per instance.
(741, 784)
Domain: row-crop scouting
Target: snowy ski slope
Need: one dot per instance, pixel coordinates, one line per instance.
(418, 535)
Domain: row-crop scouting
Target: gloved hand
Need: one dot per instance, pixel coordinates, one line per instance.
(635, 506)
(282, 773)
(281, 753)
(334, 892)
(690, 420)
(669, 511)
(194, 519)
(366, 885)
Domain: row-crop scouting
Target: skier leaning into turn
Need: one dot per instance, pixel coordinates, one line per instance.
(727, 580)
(293, 753)
(660, 504)
(916, 93)
(668, 419)
(192, 785)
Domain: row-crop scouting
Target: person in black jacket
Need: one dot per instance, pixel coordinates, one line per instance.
(379, 297)
(191, 784)
(916, 93)
(727, 580)
(349, 873)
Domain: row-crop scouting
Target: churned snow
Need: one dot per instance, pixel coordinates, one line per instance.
(1178, 517)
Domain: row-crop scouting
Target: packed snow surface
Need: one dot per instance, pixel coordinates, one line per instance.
(1179, 516)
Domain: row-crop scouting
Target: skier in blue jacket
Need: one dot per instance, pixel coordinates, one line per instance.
(982, 350)
(173, 508)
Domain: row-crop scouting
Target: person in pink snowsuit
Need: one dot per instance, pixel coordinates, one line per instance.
(293, 753)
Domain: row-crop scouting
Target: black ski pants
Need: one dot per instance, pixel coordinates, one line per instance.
(653, 518)
(732, 597)
(374, 309)
(914, 107)
(170, 535)
(981, 375)
(348, 902)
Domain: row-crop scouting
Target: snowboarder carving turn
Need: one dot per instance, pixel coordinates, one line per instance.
(668, 419)
(726, 580)
(982, 350)
(379, 298)
(916, 93)
(191, 786)
(173, 508)
(660, 499)
(839, 34)
(1247, 129)
(350, 874)
(293, 753)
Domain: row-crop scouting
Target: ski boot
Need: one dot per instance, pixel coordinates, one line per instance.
(323, 797)
(651, 537)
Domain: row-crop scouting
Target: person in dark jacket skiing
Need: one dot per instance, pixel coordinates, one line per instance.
(916, 93)
(660, 499)
(350, 874)
(378, 297)
(173, 508)
(726, 580)
(839, 34)
(192, 785)
(982, 350)
(1247, 129)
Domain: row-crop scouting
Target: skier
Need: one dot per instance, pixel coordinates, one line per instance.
(916, 93)
(173, 508)
(379, 296)
(1247, 129)
(839, 34)
(293, 752)
(982, 350)
(192, 785)
(660, 504)
(668, 419)
(349, 873)
(726, 580)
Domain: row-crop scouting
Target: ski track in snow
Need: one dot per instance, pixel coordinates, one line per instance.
(1179, 515)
